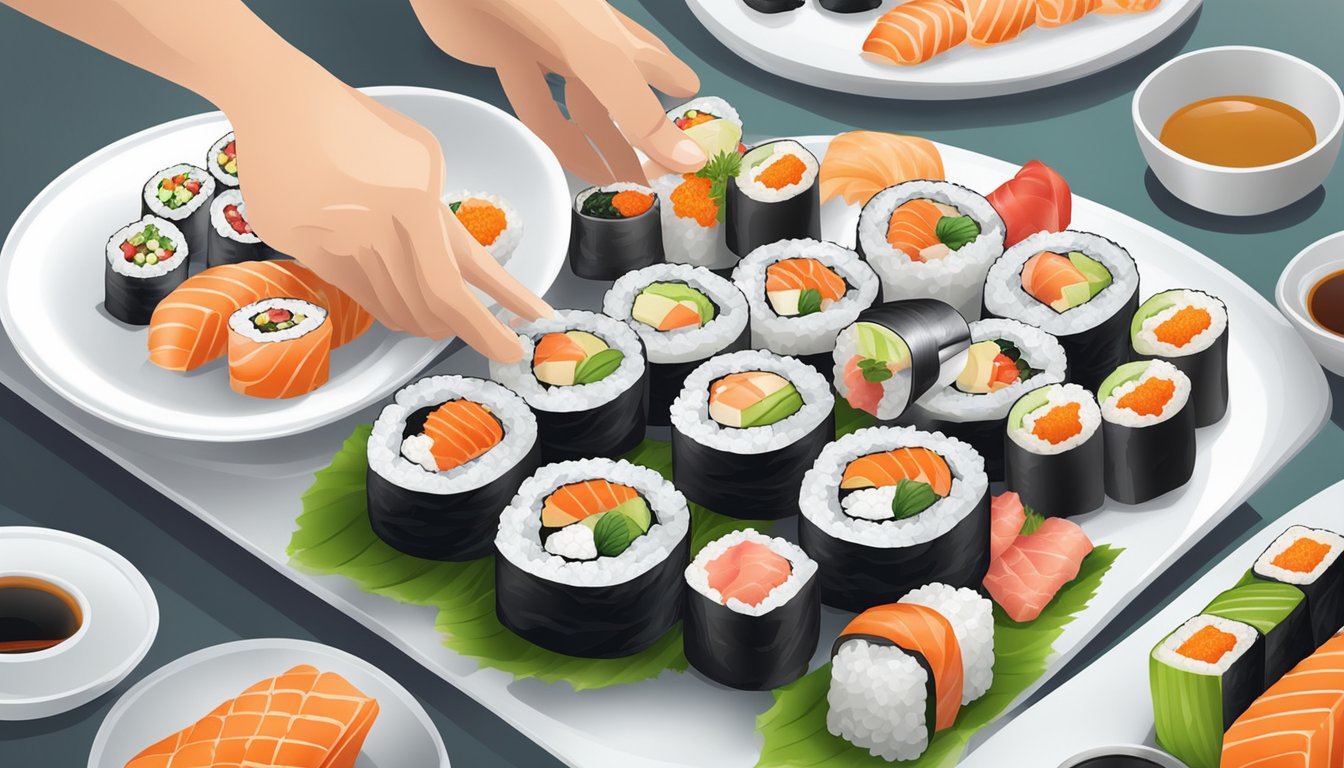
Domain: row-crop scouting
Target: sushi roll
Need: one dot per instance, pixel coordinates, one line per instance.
(445, 458)
(692, 204)
(146, 260)
(931, 239)
(972, 618)
(1202, 677)
(745, 428)
(752, 613)
(774, 197)
(181, 194)
(1080, 287)
(1189, 330)
(222, 160)
(590, 558)
(1148, 427)
(1006, 359)
(232, 240)
(616, 228)
(1309, 559)
(585, 378)
(889, 509)
(490, 220)
(1054, 453)
(896, 352)
(1279, 613)
(849, 6)
(279, 348)
(685, 315)
(801, 294)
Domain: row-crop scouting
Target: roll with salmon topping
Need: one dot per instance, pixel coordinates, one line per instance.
(490, 220)
(775, 197)
(279, 348)
(1055, 458)
(1148, 425)
(615, 228)
(1188, 329)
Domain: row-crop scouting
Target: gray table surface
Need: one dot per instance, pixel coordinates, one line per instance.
(60, 101)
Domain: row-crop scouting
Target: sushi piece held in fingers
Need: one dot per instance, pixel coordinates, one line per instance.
(1148, 426)
(1054, 453)
(232, 240)
(712, 124)
(146, 261)
(1309, 559)
(752, 611)
(1036, 199)
(491, 221)
(222, 160)
(693, 204)
(279, 348)
(972, 618)
(616, 228)
(915, 31)
(859, 164)
(181, 194)
(1188, 329)
(1279, 613)
(1026, 576)
(774, 197)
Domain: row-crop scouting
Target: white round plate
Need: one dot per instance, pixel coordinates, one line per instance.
(816, 47)
(51, 268)
(121, 619)
(184, 691)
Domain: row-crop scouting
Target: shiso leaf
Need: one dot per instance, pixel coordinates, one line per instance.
(453, 206)
(598, 367)
(912, 497)
(614, 534)
(850, 419)
(1033, 522)
(874, 370)
(809, 302)
(956, 231)
(719, 170)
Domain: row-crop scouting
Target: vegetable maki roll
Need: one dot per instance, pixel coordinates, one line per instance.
(1189, 330)
(972, 618)
(744, 428)
(898, 351)
(232, 240)
(889, 509)
(146, 260)
(931, 239)
(684, 315)
(279, 348)
(1080, 287)
(1006, 359)
(801, 294)
(1148, 426)
(591, 555)
(585, 378)
(181, 194)
(222, 160)
(616, 228)
(1279, 613)
(490, 220)
(1309, 559)
(445, 458)
(1054, 455)
(752, 613)
(774, 197)
(693, 203)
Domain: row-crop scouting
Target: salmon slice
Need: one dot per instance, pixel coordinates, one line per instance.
(991, 22)
(276, 370)
(804, 274)
(576, 501)
(557, 347)
(1046, 274)
(1037, 199)
(914, 227)
(461, 430)
(1299, 721)
(749, 572)
(1126, 6)
(740, 391)
(924, 631)
(916, 31)
(1006, 518)
(859, 164)
(1057, 13)
(877, 470)
(1031, 571)
(301, 719)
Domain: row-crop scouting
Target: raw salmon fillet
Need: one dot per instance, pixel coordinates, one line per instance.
(748, 572)
(1036, 199)
(914, 227)
(916, 31)
(301, 719)
(1126, 6)
(1298, 722)
(859, 164)
(802, 274)
(990, 22)
(1006, 518)
(1028, 575)
(926, 632)
(877, 470)
(276, 370)
(1057, 13)
(461, 431)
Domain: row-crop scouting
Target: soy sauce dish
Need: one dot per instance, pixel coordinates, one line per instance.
(1123, 756)
(1310, 293)
(1237, 130)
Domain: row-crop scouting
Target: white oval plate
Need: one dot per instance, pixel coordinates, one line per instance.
(52, 272)
(816, 47)
(182, 692)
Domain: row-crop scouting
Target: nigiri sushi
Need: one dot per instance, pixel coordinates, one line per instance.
(1056, 13)
(991, 22)
(1299, 721)
(859, 164)
(916, 31)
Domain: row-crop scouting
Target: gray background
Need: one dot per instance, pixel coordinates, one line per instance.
(60, 101)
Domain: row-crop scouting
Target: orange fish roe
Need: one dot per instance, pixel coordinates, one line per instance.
(1303, 556)
(1208, 645)
(1060, 424)
(783, 172)
(484, 221)
(1149, 398)
(1186, 324)
(691, 200)
(631, 203)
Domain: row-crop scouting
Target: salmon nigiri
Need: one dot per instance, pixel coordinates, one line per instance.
(1057, 13)
(1299, 721)
(890, 467)
(859, 164)
(916, 31)
(924, 631)
(1126, 6)
(990, 22)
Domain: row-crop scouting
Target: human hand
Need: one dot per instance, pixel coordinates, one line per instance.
(608, 62)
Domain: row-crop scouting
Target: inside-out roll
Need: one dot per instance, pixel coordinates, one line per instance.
(494, 223)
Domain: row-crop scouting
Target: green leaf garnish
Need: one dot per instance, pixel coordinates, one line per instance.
(956, 231)
(875, 371)
(912, 497)
(1033, 522)
(453, 206)
(599, 205)
(598, 367)
(719, 170)
(613, 534)
(809, 301)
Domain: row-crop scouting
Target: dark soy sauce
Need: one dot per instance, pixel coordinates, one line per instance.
(1117, 761)
(35, 615)
(1326, 303)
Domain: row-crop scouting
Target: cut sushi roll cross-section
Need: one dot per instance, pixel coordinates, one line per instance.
(1189, 330)
(592, 519)
(753, 399)
(148, 246)
(279, 348)
(894, 485)
(773, 197)
(672, 306)
(693, 204)
(1309, 559)
(232, 240)
(222, 160)
(145, 261)
(1148, 426)
(1064, 282)
(712, 125)
(491, 221)
(927, 230)
(450, 435)
(993, 365)
(181, 194)
(574, 358)
(178, 190)
(880, 355)
(615, 228)
(1279, 613)
(610, 203)
(797, 287)
(1055, 455)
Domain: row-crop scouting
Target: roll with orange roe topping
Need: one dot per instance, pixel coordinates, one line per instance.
(1309, 559)
(1054, 456)
(775, 197)
(1189, 330)
(490, 220)
(1148, 427)
(616, 228)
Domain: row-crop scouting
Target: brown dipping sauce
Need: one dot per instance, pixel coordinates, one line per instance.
(35, 615)
(1325, 302)
(1239, 131)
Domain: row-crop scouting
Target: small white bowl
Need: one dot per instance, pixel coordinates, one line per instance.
(1118, 754)
(1239, 71)
(1321, 258)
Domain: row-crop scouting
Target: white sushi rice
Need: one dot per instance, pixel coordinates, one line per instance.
(751, 186)
(520, 378)
(240, 322)
(222, 227)
(1089, 415)
(810, 334)
(682, 345)
(1157, 369)
(690, 411)
(972, 618)
(1166, 651)
(1265, 567)
(819, 497)
(711, 104)
(386, 441)
(956, 278)
(1005, 296)
(803, 569)
(507, 242)
(519, 536)
(895, 390)
(117, 260)
(1147, 343)
(684, 240)
(211, 161)
(151, 191)
(878, 700)
(574, 542)
(1041, 351)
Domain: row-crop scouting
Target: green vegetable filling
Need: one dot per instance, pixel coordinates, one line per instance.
(911, 498)
(956, 231)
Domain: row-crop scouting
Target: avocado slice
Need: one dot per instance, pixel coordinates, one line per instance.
(680, 292)
(1156, 304)
(1029, 402)
(878, 343)
(774, 408)
(637, 510)
(1098, 276)
(1120, 376)
(1071, 296)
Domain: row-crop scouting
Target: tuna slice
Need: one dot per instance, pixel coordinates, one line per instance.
(1028, 575)
(748, 572)
(1036, 199)
(1007, 516)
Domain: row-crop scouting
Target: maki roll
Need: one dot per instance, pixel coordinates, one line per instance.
(898, 351)
(1006, 359)
(232, 240)
(773, 6)
(931, 239)
(181, 194)
(972, 618)
(590, 558)
(801, 294)
(1054, 454)
(490, 220)
(692, 204)
(684, 315)
(849, 6)
(146, 260)
(1189, 330)
(1203, 676)
(279, 348)
(616, 228)
(744, 429)
(1080, 287)
(752, 613)
(222, 160)
(445, 458)
(585, 378)
(1148, 426)
(1279, 613)
(712, 124)
(889, 509)
(1309, 559)
(774, 197)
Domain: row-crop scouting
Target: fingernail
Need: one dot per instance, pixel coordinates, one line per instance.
(688, 153)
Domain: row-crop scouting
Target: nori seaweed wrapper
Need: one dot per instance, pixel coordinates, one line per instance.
(610, 430)
(1143, 463)
(773, 6)
(1325, 600)
(1060, 484)
(824, 362)
(754, 653)
(593, 622)
(1094, 353)
(751, 223)
(935, 333)
(1279, 613)
(849, 6)
(226, 250)
(605, 249)
(667, 379)
(985, 436)
(132, 299)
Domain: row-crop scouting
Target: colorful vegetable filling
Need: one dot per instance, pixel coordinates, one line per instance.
(1302, 556)
(178, 190)
(457, 432)
(622, 204)
(148, 247)
(276, 319)
(798, 287)
(1208, 645)
(671, 306)
(484, 220)
(927, 230)
(711, 132)
(236, 220)
(991, 366)
(914, 479)
(228, 158)
(1064, 282)
(573, 358)
(593, 518)
(882, 354)
(753, 399)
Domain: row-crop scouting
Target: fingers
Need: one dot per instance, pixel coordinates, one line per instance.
(594, 119)
(481, 270)
(526, 87)
(659, 65)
